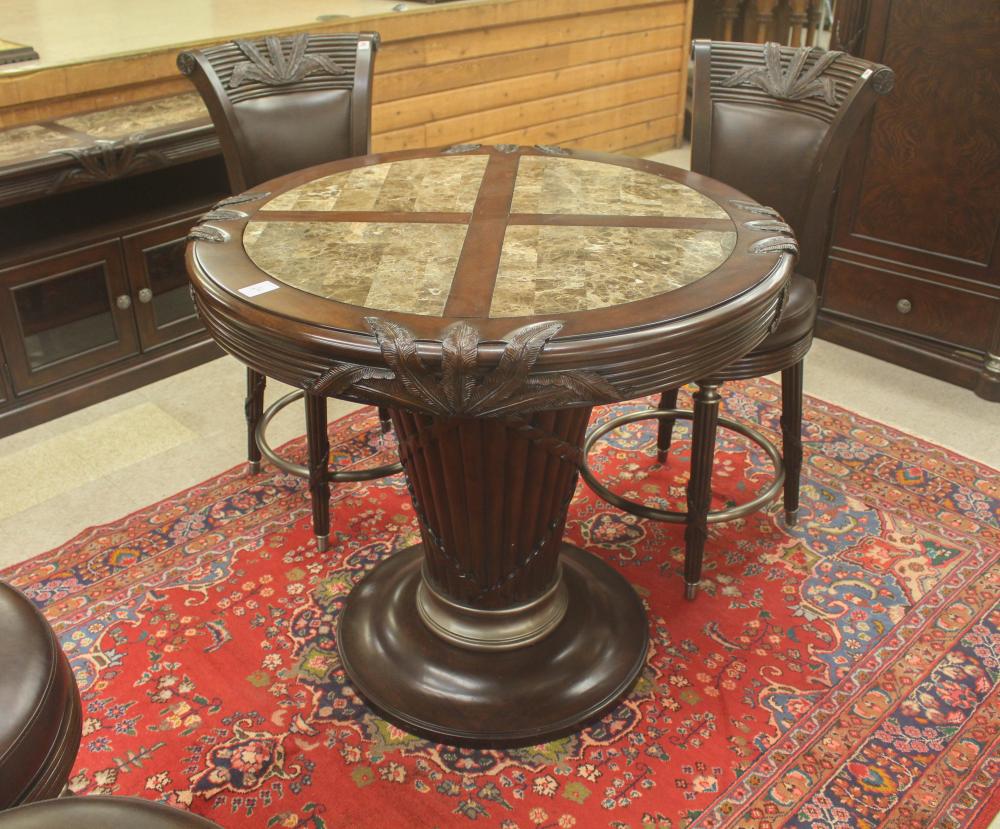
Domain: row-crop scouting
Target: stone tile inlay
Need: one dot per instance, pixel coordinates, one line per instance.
(142, 117)
(448, 184)
(568, 185)
(555, 270)
(22, 143)
(390, 267)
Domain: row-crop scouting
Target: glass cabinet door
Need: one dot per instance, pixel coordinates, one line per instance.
(155, 260)
(65, 315)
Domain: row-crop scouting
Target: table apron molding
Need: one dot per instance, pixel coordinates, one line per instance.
(634, 367)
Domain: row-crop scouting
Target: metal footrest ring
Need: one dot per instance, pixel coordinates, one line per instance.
(300, 469)
(676, 516)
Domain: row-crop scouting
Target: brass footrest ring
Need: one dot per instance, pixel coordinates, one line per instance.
(676, 516)
(300, 469)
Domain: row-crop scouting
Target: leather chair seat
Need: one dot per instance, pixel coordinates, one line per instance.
(40, 722)
(101, 813)
(797, 317)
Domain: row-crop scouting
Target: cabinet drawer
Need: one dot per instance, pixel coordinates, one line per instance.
(909, 305)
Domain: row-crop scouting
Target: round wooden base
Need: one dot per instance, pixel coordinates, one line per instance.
(498, 698)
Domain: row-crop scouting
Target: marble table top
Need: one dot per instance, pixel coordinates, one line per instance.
(577, 234)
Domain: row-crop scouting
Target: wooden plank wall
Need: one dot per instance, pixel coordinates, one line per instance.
(598, 74)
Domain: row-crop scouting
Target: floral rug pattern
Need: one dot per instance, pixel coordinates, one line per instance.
(841, 673)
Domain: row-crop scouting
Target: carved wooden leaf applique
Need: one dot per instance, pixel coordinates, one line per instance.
(104, 160)
(794, 84)
(275, 69)
(461, 387)
(399, 349)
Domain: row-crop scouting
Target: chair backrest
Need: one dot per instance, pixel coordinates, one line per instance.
(281, 104)
(776, 122)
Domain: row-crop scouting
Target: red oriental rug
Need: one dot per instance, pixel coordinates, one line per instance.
(839, 674)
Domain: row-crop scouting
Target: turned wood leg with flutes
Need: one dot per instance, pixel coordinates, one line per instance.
(319, 473)
(791, 437)
(665, 426)
(699, 491)
(492, 629)
(253, 408)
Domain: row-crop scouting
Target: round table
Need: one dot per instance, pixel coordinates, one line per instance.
(490, 296)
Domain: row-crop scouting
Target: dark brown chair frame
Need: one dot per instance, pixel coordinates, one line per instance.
(837, 92)
(254, 90)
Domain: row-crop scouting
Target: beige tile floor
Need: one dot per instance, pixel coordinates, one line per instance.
(105, 461)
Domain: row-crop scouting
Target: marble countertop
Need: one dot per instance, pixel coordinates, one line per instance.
(78, 132)
(66, 31)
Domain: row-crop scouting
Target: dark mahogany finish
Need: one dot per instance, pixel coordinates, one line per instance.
(472, 481)
(774, 122)
(279, 105)
(913, 269)
(482, 633)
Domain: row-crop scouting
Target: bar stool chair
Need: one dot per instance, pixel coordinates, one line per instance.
(40, 717)
(774, 122)
(279, 105)
(101, 813)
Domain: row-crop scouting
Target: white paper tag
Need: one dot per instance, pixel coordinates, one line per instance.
(259, 288)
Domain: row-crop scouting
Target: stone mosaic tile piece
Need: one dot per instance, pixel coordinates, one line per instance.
(369, 264)
(448, 184)
(569, 185)
(547, 270)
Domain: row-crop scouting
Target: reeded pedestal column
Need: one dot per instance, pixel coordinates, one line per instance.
(492, 630)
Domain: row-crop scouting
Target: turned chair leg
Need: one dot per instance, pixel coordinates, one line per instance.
(791, 437)
(665, 429)
(319, 458)
(253, 408)
(699, 491)
(385, 422)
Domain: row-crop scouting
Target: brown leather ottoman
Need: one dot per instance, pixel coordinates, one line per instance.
(101, 813)
(39, 705)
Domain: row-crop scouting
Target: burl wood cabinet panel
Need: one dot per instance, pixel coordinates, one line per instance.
(912, 274)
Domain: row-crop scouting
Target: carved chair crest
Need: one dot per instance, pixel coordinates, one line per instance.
(795, 83)
(274, 68)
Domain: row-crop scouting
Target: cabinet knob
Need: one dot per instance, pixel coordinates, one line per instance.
(904, 306)
(124, 302)
(145, 295)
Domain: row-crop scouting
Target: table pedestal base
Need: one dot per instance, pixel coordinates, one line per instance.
(525, 695)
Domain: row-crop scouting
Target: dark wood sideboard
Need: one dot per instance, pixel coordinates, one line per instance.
(913, 271)
(94, 296)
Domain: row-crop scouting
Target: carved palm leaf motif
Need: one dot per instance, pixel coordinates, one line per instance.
(207, 233)
(519, 355)
(223, 214)
(461, 388)
(548, 149)
(753, 207)
(769, 225)
(460, 148)
(775, 244)
(105, 160)
(459, 355)
(344, 375)
(242, 198)
(274, 69)
(399, 349)
(794, 84)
